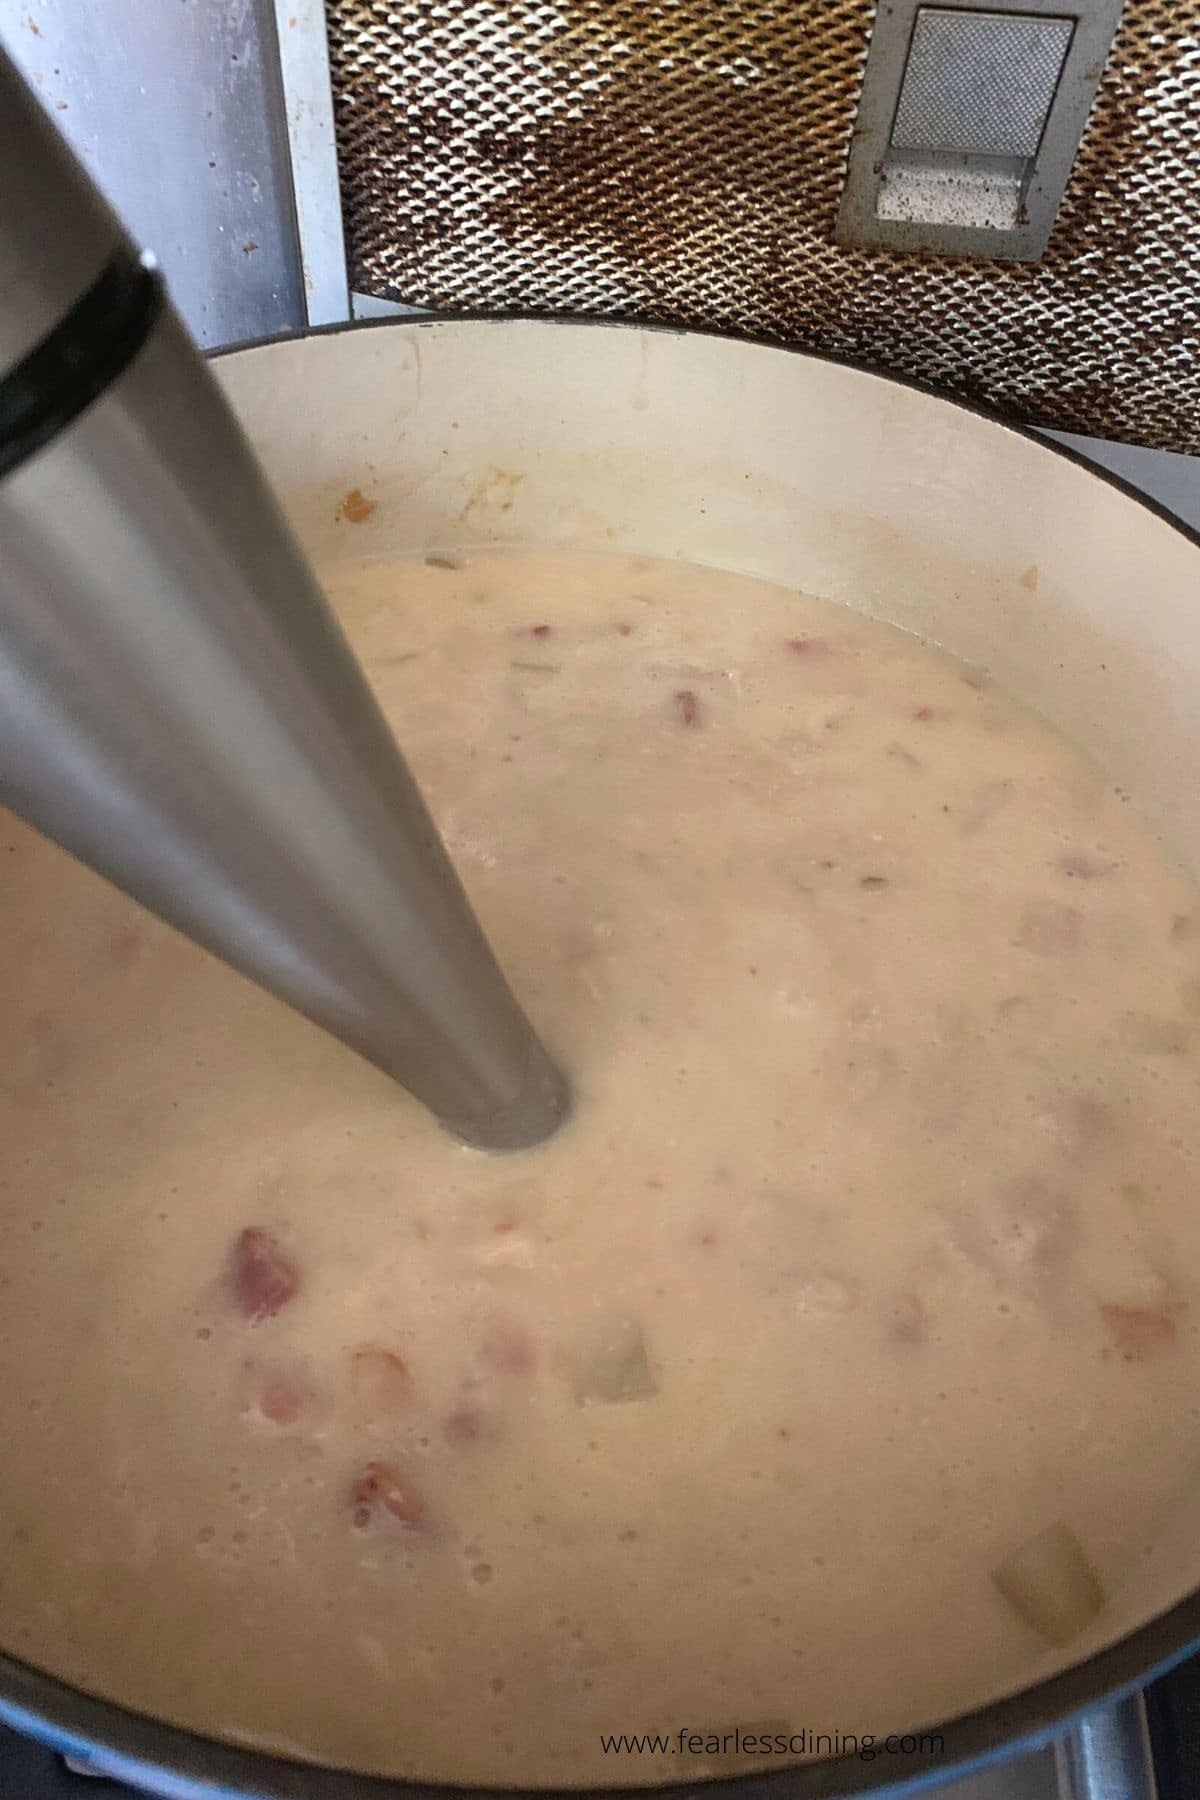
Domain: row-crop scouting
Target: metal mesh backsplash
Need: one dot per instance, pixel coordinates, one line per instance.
(682, 161)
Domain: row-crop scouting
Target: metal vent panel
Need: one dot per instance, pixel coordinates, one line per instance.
(683, 162)
(979, 81)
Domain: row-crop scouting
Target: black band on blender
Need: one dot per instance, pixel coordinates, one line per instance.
(83, 355)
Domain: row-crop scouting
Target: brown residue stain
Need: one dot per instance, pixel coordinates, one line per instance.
(34, 27)
(495, 488)
(1030, 578)
(355, 507)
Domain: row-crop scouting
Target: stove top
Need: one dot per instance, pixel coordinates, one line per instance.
(1143, 1748)
(28, 1772)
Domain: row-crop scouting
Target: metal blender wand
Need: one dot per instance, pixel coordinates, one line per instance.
(178, 706)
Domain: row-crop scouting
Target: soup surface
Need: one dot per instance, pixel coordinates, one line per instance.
(821, 1376)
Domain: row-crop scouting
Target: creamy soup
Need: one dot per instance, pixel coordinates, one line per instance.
(821, 1375)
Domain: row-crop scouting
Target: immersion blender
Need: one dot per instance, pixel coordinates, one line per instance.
(178, 706)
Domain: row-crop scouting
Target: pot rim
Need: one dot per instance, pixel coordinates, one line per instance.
(133, 1746)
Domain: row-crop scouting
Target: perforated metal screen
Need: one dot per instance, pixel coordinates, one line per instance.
(1020, 58)
(682, 161)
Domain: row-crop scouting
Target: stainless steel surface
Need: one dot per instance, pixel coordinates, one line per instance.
(308, 111)
(969, 123)
(179, 709)
(176, 109)
(1107, 1756)
(45, 264)
(1033, 1776)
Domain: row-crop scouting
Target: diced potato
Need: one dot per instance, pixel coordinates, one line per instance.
(381, 1387)
(1049, 1581)
(610, 1365)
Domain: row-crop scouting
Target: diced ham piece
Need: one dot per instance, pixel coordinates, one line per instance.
(463, 1427)
(687, 706)
(382, 1488)
(1139, 1333)
(908, 1320)
(508, 1348)
(283, 1397)
(261, 1277)
(1083, 865)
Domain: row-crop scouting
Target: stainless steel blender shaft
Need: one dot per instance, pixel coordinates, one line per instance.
(179, 708)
